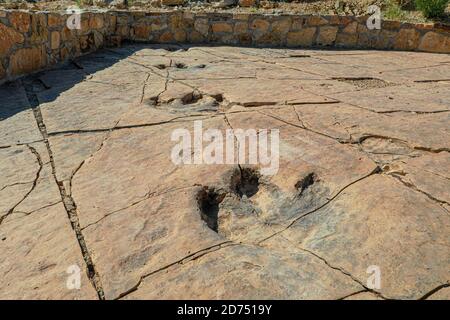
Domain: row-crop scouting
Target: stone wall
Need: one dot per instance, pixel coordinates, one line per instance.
(282, 30)
(33, 41)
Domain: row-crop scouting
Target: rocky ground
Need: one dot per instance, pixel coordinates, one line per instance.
(330, 6)
(87, 178)
(390, 8)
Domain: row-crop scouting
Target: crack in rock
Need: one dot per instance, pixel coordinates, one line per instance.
(377, 170)
(240, 209)
(434, 290)
(410, 185)
(67, 200)
(344, 272)
(147, 196)
(34, 183)
(188, 258)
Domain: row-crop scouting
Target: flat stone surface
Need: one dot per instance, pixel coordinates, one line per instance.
(363, 178)
(17, 120)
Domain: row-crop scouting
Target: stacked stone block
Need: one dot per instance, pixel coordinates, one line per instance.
(30, 41)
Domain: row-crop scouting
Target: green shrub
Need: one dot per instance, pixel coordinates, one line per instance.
(393, 11)
(431, 8)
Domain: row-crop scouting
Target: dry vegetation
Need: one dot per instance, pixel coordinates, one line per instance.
(403, 10)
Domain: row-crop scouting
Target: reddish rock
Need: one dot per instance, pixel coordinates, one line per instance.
(166, 37)
(386, 39)
(123, 31)
(391, 25)
(39, 29)
(351, 28)
(327, 35)
(195, 37)
(316, 21)
(260, 25)
(346, 40)
(435, 42)
(55, 20)
(20, 20)
(67, 34)
(27, 60)
(142, 32)
(8, 38)
(241, 16)
(55, 40)
(298, 23)
(281, 27)
(248, 3)
(202, 26)
(219, 27)
(96, 21)
(407, 39)
(179, 35)
(304, 37)
(175, 21)
(112, 19)
(240, 27)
